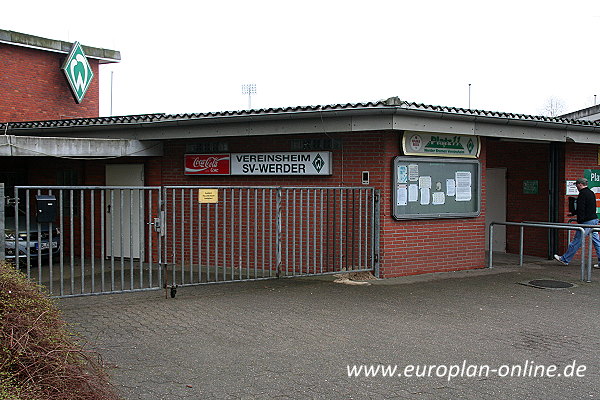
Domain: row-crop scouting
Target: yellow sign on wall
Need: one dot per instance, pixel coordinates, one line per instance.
(208, 195)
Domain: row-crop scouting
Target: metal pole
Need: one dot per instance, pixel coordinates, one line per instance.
(278, 238)
(521, 252)
(469, 96)
(583, 246)
(589, 260)
(2, 226)
(491, 239)
(375, 243)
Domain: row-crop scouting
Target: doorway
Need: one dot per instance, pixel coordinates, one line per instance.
(124, 208)
(496, 208)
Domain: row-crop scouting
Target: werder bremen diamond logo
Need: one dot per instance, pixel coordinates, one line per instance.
(470, 145)
(318, 163)
(78, 72)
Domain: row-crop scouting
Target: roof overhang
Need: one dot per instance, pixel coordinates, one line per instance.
(369, 117)
(27, 146)
(57, 46)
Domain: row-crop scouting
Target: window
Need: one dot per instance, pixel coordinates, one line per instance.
(315, 144)
(207, 148)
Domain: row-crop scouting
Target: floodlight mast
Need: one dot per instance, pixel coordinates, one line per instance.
(249, 89)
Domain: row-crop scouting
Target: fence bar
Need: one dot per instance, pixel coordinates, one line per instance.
(92, 238)
(3, 228)
(131, 253)
(545, 225)
(191, 235)
(102, 238)
(121, 239)
(61, 243)
(216, 241)
(71, 240)
(224, 231)
(307, 231)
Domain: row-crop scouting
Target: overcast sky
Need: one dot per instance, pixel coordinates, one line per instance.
(193, 56)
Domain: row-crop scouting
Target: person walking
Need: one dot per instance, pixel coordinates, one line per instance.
(586, 215)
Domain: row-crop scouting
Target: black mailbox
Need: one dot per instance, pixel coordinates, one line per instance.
(572, 205)
(46, 208)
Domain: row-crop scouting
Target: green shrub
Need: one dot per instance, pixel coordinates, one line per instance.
(39, 358)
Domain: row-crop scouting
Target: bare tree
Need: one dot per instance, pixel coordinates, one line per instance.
(553, 107)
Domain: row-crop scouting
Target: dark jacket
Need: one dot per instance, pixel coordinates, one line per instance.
(586, 206)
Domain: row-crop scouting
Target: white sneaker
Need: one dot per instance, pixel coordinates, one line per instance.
(596, 266)
(557, 258)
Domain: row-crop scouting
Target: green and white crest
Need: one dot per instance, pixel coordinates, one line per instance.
(78, 71)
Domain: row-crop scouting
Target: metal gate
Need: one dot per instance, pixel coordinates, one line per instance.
(111, 239)
(225, 234)
(101, 239)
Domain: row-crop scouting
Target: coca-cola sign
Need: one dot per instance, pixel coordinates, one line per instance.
(207, 164)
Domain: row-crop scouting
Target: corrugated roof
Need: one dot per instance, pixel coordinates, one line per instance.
(390, 105)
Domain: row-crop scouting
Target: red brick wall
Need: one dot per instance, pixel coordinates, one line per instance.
(419, 246)
(577, 157)
(360, 152)
(407, 247)
(34, 87)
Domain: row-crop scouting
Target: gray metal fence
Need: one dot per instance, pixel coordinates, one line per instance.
(102, 239)
(250, 233)
(109, 239)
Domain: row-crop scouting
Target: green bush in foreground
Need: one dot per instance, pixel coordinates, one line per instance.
(39, 358)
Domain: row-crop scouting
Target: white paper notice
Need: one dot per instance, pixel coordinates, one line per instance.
(413, 192)
(571, 188)
(413, 172)
(450, 187)
(438, 198)
(425, 196)
(401, 195)
(463, 185)
(425, 182)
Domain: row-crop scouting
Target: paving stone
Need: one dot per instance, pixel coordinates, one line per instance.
(294, 338)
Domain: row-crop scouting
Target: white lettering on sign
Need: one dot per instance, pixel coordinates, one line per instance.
(210, 162)
(278, 158)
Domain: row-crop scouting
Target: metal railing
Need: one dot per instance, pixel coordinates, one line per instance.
(262, 232)
(549, 225)
(103, 239)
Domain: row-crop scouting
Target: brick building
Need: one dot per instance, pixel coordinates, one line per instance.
(33, 85)
(518, 168)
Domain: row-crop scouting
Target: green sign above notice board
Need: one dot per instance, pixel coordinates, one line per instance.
(440, 144)
(440, 188)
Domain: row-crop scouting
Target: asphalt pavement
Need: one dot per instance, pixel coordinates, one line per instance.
(454, 335)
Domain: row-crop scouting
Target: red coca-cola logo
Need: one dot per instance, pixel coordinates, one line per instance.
(207, 164)
(210, 162)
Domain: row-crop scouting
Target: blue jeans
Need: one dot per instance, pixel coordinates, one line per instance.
(576, 242)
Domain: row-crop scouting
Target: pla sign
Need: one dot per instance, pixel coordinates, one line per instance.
(593, 177)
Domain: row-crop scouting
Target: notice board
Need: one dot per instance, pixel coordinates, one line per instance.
(424, 187)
